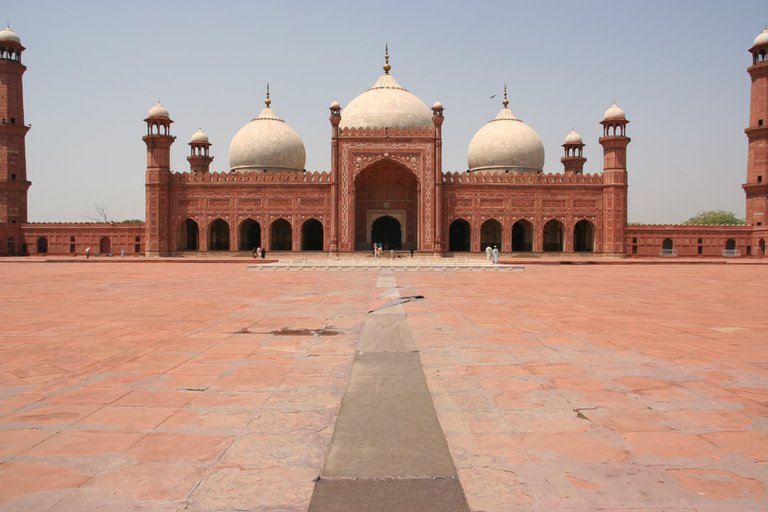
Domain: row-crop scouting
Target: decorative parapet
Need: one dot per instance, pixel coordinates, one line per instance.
(276, 177)
(690, 228)
(514, 178)
(387, 132)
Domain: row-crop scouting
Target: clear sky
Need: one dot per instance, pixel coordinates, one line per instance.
(677, 68)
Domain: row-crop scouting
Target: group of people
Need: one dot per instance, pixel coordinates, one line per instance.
(491, 255)
(259, 252)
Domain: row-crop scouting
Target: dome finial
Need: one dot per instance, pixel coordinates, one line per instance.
(387, 67)
(505, 101)
(267, 101)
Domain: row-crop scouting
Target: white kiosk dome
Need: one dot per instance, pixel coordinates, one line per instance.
(266, 143)
(614, 113)
(199, 137)
(7, 35)
(573, 138)
(158, 110)
(761, 39)
(506, 144)
(386, 105)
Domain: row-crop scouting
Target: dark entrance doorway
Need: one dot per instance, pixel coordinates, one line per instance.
(218, 236)
(42, 245)
(386, 230)
(312, 235)
(490, 234)
(522, 236)
(280, 239)
(458, 236)
(189, 235)
(583, 236)
(762, 247)
(105, 246)
(553, 236)
(250, 235)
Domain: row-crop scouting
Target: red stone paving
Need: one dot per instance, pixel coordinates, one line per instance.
(154, 386)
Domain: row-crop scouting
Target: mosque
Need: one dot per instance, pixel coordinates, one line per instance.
(386, 186)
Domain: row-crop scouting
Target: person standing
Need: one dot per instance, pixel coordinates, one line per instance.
(87, 252)
(263, 253)
(488, 253)
(495, 254)
(122, 252)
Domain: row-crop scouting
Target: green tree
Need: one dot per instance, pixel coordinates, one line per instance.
(715, 217)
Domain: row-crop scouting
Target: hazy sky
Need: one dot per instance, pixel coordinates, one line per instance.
(677, 68)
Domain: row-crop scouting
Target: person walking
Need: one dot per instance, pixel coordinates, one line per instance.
(263, 253)
(495, 254)
(488, 253)
(87, 252)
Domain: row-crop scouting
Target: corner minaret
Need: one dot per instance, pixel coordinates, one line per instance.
(573, 161)
(13, 131)
(756, 187)
(614, 142)
(158, 140)
(199, 158)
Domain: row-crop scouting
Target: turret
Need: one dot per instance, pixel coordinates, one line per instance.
(756, 187)
(573, 161)
(158, 140)
(13, 131)
(614, 142)
(199, 158)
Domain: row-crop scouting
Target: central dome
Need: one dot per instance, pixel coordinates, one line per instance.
(386, 105)
(266, 143)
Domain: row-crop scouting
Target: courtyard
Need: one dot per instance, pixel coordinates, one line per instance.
(201, 386)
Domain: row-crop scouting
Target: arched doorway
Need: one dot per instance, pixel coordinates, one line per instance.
(667, 244)
(522, 236)
(459, 236)
(490, 234)
(730, 244)
(11, 246)
(42, 245)
(583, 236)
(281, 236)
(386, 188)
(105, 245)
(250, 235)
(553, 236)
(387, 231)
(188, 236)
(761, 244)
(218, 235)
(312, 235)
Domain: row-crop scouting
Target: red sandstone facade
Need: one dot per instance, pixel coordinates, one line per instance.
(384, 184)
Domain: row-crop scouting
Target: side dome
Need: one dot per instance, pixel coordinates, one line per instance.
(266, 143)
(9, 36)
(158, 110)
(506, 144)
(573, 138)
(199, 137)
(386, 105)
(614, 113)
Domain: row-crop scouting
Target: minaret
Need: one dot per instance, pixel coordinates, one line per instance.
(437, 119)
(614, 142)
(13, 160)
(199, 158)
(335, 119)
(756, 187)
(158, 140)
(573, 161)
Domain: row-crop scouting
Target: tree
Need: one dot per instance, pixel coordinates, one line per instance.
(715, 217)
(99, 214)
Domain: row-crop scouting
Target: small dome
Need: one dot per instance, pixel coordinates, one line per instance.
(506, 144)
(437, 105)
(761, 39)
(573, 138)
(386, 105)
(614, 114)
(158, 111)
(199, 136)
(266, 143)
(335, 104)
(7, 35)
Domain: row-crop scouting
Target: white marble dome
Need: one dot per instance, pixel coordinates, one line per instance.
(8, 35)
(573, 138)
(761, 39)
(386, 105)
(266, 143)
(506, 144)
(199, 137)
(158, 110)
(614, 113)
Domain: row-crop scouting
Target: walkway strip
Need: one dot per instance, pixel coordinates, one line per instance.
(388, 451)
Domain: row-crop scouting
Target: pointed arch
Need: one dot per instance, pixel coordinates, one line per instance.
(490, 234)
(553, 236)
(105, 245)
(218, 235)
(188, 236)
(249, 235)
(281, 235)
(459, 236)
(312, 235)
(584, 236)
(522, 236)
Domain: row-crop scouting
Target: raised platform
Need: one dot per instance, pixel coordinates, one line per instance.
(420, 264)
